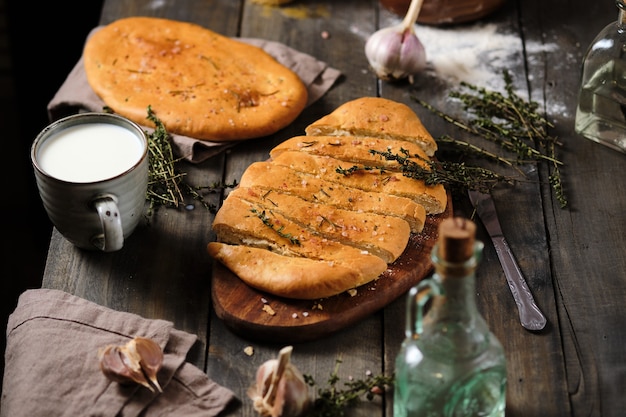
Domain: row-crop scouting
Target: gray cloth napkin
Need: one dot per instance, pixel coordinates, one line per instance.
(75, 94)
(52, 366)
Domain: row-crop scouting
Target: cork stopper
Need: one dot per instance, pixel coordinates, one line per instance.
(456, 239)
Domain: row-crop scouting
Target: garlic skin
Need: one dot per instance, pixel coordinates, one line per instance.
(138, 361)
(280, 389)
(395, 53)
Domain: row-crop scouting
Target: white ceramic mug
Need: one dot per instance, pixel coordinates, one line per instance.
(91, 170)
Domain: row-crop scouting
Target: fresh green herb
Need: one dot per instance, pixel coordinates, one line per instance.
(332, 400)
(509, 121)
(279, 230)
(167, 186)
(456, 175)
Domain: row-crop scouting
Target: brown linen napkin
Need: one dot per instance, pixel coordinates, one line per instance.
(75, 94)
(52, 366)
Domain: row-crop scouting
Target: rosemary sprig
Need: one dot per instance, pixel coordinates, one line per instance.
(167, 186)
(332, 401)
(509, 121)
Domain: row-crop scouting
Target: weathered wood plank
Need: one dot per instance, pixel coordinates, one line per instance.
(587, 245)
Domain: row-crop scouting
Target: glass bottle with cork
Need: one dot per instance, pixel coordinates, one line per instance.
(601, 111)
(450, 363)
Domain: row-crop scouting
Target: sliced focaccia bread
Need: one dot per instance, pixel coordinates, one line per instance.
(373, 152)
(381, 235)
(375, 117)
(269, 176)
(432, 197)
(287, 276)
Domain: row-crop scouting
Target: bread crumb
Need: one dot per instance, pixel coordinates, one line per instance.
(352, 292)
(269, 310)
(248, 350)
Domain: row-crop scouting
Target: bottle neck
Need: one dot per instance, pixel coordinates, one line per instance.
(453, 310)
(621, 16)
(458, 298)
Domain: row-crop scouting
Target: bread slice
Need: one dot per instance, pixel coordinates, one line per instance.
(381, 235)
(238, 223)
(290, 277)
(432, 197)
(375, 117)
(356, 149)
(269, 176)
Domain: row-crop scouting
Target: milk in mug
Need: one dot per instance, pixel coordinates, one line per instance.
(90, 152)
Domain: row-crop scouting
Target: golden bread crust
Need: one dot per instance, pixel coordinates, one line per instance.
(269, 176)
(356, 149)
(286, 276)
(433, 197)
(375, 117)
(198, 83)
(383, 236)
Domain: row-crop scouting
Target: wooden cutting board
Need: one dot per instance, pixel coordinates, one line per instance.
(260, 316)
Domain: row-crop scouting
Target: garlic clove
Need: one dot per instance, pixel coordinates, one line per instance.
(395, 53)
(280, 389)
(138, 361)
(118, 366)
(150, 358)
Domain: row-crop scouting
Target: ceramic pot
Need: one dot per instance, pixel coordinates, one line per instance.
(445, 12)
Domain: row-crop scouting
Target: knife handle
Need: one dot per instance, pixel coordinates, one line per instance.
(530, 316)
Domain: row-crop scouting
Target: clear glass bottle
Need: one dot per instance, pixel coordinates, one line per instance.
(450, 364)
(601, 111)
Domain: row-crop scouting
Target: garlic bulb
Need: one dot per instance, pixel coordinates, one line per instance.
(137, 361)
(280, 389)
(395, 52)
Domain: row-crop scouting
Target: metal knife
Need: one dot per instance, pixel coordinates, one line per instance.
(530, 315)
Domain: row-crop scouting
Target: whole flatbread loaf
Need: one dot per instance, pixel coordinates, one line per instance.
(198, 83)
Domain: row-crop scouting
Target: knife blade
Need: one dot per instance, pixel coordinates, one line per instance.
(530, 315)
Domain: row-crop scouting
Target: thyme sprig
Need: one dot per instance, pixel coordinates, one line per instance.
(332, 400)
(509, 121)
(279, 230)
(456, 175)
(167, 185)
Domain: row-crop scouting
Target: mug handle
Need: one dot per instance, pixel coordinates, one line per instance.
(112, 236)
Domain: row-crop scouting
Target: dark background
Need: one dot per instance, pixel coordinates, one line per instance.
(39, 45)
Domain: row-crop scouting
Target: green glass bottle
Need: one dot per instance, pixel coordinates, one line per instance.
(450, 364)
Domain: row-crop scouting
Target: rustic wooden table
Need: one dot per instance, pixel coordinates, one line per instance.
(574, 259)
